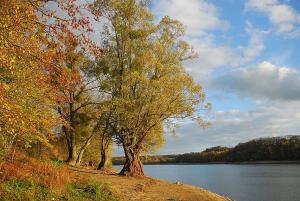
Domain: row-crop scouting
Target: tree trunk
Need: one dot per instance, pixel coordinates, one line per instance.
(133, 165)
(71, 154)
(70, 134)
(103, 161)
(104, 148)
(82, 149)
(79, 157)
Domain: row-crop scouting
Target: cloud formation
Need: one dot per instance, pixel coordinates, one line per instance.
(197, 16)
(283, 17)
(201, 18)
(265, 81)
(234, 126)
(261, 101)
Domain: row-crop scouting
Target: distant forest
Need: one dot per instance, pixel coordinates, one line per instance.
(285, 148)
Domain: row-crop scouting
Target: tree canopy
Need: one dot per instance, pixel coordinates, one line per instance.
(56, 84)
(149, 87)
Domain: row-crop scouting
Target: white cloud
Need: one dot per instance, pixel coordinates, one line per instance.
(265, 81)
(284, 18)
(212, 56)
(196, 15)
(200, 17)
(274, 89)
(255, 45)
(234, 126)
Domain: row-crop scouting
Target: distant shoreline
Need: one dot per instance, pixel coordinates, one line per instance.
(228, 163)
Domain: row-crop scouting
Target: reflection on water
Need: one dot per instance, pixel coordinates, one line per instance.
(240, 182)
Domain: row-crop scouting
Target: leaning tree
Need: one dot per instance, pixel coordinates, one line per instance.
(149, 88)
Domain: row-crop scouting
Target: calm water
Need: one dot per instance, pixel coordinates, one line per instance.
(240, 182)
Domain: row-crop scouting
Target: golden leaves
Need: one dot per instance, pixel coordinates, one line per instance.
(144, 66)
(26, 113)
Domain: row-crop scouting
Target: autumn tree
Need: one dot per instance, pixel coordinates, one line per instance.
(30, 49)
(148, 85)
(85, 131)
(26, 96)
(75, 50)
(78, 92)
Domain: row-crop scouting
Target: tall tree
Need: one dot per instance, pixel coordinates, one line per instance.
(148, 84)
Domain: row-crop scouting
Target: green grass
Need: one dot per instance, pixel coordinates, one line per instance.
(56, 162)
(90, 190)
(14, 190)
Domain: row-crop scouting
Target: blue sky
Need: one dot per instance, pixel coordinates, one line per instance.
(249, 63)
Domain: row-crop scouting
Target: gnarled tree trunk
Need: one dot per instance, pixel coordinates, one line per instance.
(103, 161)
(133, 165)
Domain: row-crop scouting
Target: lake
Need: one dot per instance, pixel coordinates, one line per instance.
(263, 182)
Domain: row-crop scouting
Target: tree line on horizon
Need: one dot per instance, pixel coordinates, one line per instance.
(264, 149)
(63, 94)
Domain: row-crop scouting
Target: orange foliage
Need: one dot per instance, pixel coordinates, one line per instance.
(30, 54)
(27, 168)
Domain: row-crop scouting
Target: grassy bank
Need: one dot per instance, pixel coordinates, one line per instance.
(30, 179)
(34, 180)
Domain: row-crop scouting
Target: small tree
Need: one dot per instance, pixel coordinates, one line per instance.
(149, 88)
(77, 90)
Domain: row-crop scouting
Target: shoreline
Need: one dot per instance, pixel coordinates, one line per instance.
(149, 188)
(230, 163)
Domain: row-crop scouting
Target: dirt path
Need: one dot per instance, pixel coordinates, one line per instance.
(149, 189)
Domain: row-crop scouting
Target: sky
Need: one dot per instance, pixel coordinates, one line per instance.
(248, 63)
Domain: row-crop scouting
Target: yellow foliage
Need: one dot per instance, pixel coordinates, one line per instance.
(143, 63)
(26, 98)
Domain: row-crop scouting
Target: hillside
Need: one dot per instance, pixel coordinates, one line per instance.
(286, 148)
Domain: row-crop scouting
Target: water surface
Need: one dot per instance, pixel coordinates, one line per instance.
(263, 182)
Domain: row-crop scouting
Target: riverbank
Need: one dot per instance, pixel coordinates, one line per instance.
(146, 188)
(228, 163)
(28, 178)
